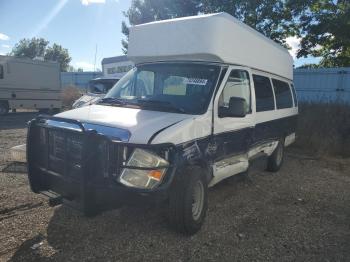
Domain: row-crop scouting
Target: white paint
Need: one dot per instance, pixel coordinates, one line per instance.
(193, 127)
(289, 139)
(214, 37)
(142, 124)
(228, 167)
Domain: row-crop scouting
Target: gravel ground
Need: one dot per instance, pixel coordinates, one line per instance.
(301, 213)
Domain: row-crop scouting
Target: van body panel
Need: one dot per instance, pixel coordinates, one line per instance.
(142, 124)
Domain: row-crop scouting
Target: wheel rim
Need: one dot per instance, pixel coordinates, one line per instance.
(279, 154)
(198, 200)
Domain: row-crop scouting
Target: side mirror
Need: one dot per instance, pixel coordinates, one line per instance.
(236, 108)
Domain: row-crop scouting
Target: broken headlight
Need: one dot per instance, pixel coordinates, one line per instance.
(144, 178)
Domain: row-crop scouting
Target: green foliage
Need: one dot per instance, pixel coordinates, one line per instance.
(30, 48)
(144, 11)
(271, 18)
(324, 26)
(38, 47)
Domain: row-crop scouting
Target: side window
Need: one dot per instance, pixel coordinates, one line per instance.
(1, 72)
(237, 85)
(294, 95)
(263, 93)
(283, 94)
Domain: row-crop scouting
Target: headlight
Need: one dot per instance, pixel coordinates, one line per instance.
(146, 179)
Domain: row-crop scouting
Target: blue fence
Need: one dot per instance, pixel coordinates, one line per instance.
(323, 84)
(79, 79)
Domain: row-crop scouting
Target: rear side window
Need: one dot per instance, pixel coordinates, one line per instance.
(263, 93)
(283, 94)
(1, 72)
(294, 95)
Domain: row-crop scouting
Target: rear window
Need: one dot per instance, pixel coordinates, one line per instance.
(263, 93)
(294, 95)
(1, 72)
(283, 94)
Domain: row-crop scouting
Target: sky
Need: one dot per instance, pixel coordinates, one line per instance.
(78, 25)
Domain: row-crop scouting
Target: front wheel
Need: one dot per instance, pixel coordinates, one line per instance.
(274, 162)
(188, 202)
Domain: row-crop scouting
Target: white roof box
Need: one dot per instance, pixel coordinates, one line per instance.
(215, 38)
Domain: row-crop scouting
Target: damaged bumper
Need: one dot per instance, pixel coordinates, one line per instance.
(81, 167)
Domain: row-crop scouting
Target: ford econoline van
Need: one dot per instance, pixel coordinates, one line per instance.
(208, 95)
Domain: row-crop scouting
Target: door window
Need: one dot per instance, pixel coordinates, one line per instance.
(237, 85)
(263, 93)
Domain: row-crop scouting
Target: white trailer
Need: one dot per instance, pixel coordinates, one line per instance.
(29, 84)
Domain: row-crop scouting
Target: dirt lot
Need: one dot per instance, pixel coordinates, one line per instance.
(301, 213)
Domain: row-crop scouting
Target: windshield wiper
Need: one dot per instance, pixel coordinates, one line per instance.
(161, 104)
(112, 100)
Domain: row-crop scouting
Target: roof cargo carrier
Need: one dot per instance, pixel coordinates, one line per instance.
(213, 38)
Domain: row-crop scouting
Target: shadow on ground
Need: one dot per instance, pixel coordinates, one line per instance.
(16, 120)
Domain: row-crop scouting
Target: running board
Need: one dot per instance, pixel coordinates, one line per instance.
(229, 167)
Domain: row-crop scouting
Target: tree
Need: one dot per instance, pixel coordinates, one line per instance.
(38, 48)
(58, 54)
(271, 18)
(144, 11)
(30, 48)
(324, 30)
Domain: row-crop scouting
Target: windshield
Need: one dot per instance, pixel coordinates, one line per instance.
(183, 88)
(101, 86)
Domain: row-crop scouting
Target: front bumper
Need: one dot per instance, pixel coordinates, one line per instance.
(82, 167)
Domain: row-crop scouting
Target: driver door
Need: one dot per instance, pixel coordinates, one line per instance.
(234, 135)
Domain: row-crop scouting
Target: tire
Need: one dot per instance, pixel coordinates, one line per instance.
(275, 161)
(188, 202)
(4, 108)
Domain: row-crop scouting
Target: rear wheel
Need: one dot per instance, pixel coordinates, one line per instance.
(275, 161)
(4, 108)
(188, 202)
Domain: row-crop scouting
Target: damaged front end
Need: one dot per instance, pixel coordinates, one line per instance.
(91, 171)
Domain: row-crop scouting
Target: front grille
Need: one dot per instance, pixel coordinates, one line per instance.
(60, 151)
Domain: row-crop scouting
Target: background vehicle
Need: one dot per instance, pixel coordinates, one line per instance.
(29, 84)
(97, 88)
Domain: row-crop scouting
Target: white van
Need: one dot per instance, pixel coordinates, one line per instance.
(29, 84)
(208, 95)
(97, 89)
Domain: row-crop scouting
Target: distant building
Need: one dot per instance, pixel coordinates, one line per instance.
(116, 66)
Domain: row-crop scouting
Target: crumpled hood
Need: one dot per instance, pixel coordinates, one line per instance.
(141, 124)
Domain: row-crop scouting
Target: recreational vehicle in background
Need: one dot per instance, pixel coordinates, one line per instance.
(207, 96)
(29, 84)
